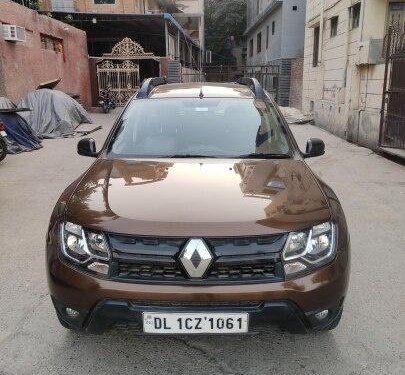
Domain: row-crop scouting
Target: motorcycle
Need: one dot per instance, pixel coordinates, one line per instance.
(3, 144)
(106, 100)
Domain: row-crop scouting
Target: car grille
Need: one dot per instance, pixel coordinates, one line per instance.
(239, 259)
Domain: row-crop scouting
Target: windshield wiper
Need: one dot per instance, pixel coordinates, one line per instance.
(246, 156)
(264, 156)
(189, 156)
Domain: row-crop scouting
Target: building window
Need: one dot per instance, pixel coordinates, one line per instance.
(259, 42)
(295, 7)
(51, 43)
(355, 16)
(396, 13)
(334, 26)
(267, 36)
(251, 47)
(315, 55)
(273, 27)
(104, 1)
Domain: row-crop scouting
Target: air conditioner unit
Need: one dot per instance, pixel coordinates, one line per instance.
(13, 33)
(370, 52)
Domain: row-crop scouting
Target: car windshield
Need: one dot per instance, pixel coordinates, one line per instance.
(194, 127)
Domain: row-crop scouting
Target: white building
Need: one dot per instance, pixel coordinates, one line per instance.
(345, 66)
(191, 18)
(275, 35)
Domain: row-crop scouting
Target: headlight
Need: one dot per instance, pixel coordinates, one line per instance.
(311, 249)
(85, 248)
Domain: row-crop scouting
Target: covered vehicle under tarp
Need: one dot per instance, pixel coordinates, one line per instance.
(20, 136)
(6, 103)
(53, 113)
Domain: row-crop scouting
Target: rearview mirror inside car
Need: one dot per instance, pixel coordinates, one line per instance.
(315, 147)
(87, 147)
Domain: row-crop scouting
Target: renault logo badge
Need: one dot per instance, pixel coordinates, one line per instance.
(196, 257)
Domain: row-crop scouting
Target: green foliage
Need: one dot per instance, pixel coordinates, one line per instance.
(224, 19)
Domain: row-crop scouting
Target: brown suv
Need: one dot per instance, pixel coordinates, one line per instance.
(199, 215)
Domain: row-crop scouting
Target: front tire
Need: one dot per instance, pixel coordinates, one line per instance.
(106, 108)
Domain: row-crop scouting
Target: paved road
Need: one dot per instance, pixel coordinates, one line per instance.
(370, 339)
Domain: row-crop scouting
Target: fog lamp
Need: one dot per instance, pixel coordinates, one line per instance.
(72, 313)
(322, 315)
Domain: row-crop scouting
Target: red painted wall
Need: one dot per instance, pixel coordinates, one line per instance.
(24, 65)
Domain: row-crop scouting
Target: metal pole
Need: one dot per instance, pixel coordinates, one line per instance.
(167, 38)
(387, 63)
(178, 45)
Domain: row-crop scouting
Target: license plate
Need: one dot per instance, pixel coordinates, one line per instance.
(195, 323)
(3, 133)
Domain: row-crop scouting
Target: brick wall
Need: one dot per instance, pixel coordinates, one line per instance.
(297, 70)
(24, 65)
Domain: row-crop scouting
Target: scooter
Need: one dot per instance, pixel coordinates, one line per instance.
(106, 100)
(3, 144)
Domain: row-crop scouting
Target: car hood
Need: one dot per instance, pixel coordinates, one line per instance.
(195, 197)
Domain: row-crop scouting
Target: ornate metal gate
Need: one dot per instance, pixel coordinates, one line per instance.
(121, 78)
(119, 70)
(392, 127)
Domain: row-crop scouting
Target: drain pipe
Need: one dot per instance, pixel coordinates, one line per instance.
(361, 108)
(320, 57)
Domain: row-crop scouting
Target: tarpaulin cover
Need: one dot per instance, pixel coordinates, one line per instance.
(6, 103)
(20, 137)
(53, 113)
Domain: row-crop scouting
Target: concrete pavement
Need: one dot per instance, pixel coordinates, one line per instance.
(370, 339)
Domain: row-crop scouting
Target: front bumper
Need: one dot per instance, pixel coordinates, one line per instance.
(127, 315)
(290, 304)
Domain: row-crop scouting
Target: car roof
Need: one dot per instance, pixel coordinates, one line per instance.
(208, 89)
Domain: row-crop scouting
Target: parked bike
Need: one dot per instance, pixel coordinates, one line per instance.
(3, 144)
(106, 100)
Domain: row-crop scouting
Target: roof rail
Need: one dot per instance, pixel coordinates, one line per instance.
(254, 85)
(148, 85)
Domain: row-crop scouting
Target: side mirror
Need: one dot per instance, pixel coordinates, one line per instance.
(87, 147)
(315, 147)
